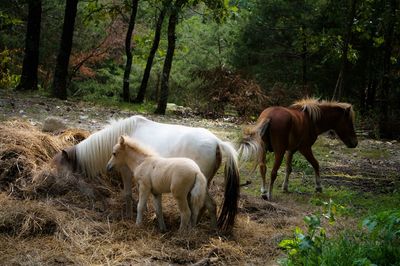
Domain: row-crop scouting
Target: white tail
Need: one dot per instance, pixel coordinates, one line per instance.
(197, 196)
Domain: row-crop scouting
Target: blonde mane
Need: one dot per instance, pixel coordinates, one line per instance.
(313, 107)
(138, 147)
(96, 149)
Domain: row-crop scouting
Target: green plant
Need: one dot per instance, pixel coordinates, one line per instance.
(307, 247)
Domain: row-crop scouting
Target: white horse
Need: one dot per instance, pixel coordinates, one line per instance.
(91, 156)
(157, 175)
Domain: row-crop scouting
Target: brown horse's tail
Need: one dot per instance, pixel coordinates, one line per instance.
(252, 145)
(229, 209)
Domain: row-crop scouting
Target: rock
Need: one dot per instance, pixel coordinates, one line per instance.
(52, 124)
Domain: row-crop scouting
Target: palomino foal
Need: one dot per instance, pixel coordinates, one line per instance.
(157, 175)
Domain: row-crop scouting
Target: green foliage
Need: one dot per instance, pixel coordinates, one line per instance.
(379, 244)
(7, 78)
(300, 164)
(306, 248)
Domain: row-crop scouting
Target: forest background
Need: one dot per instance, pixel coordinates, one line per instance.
(214, 56)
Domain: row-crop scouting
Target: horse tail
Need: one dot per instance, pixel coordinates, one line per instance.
(226, 219)
(252, 144)
(198, 193)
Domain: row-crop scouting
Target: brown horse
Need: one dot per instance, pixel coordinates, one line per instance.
(296, 128)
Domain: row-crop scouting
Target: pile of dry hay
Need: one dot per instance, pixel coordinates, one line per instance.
(25, 153)
(47, 219)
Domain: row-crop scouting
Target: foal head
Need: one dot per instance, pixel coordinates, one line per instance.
(127, 152)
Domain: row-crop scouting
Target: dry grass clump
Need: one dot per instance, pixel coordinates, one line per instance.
(25, 150)
(27, 218)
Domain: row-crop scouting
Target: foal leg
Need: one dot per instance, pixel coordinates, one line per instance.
(144, 193)
(127, 181)
(278, 161)
(289, 157)
(157, 202)
(183, 206)
(311, 159)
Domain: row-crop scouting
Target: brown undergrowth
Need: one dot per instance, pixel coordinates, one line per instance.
(48, 219)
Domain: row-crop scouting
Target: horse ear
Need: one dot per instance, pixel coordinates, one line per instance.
(121, 140)
(64, 154)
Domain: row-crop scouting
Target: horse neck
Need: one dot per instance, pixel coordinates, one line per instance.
(93, 153)
(328, 119)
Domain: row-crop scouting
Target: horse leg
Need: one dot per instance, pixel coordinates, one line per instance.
(144, 193)
(184, 209)
(212, 209)
(308, 154)
(274, 173)
(127, 180)
(157, 202)
(289, 157)
(263, 171)
(209, 202)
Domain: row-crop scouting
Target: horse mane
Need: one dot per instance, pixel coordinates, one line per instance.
(138, 147)
(313, 107)
(94, 152)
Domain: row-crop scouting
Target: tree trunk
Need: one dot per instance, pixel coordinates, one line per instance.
(29, 78)
(337, 93)
(61, 71)
(128, 51)
(173, 20)
(368, 102)
(153, 50)
(385, 83)
(304, 63)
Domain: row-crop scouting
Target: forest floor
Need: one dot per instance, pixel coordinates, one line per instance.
(364, 180)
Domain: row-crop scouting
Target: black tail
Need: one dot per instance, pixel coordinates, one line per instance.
(229, 209)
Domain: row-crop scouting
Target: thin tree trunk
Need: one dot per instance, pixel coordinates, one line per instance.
(29, 76)
(153, 50)
(385, 83)
(173, 21)
(368, 102)
(128, 51)
(304, 63)
(337, 93)
(61, 71)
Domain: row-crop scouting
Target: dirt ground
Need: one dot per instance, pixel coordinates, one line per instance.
(67, 230)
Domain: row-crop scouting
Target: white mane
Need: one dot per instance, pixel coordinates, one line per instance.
(96, 150)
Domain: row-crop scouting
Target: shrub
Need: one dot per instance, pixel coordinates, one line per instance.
(379, 244)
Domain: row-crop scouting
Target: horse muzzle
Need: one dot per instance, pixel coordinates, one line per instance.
(109, 167)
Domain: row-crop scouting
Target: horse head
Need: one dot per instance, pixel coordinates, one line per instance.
(65, 160)
(345, 128)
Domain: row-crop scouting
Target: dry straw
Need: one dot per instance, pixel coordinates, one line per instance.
(47, 219)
